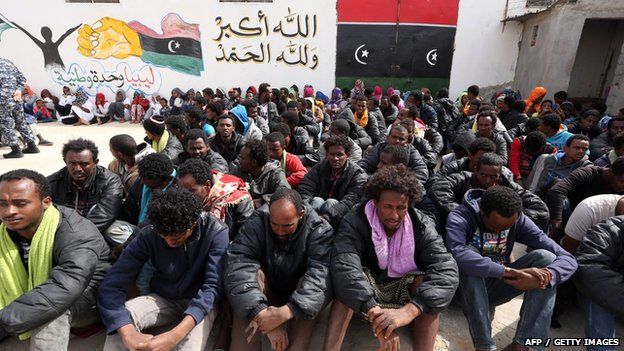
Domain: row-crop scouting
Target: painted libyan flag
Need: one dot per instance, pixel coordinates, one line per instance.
(4, 24)
(384, 50)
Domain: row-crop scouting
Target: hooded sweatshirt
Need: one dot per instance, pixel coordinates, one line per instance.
(465, 232)
(559, 140)
(548, 169)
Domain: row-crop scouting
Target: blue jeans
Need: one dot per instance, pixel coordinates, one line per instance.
(599, 323)
(322, 206)
(478, 294)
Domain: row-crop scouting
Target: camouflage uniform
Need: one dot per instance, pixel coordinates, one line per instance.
(11, 111)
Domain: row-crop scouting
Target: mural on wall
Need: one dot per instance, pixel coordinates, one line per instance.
(287, 41)
(177, 48)
(49, 47)
(94, 78)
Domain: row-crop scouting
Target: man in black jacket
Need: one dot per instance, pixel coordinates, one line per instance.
(47, 298)
(297, 139)
(486, 121)
(372, 277)
(335, 184)
(262, 176)
(427, 113)
(92, 190)
(398, 135)
(223, 195)
(196, 145)
(448, 192)
(278, 269)
(579, 185)
(227, 142)
(599, 277)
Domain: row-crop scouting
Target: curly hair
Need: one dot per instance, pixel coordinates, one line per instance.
(174, 212)
(259, 151)
(79, 145)
(195, 134)
(41, 182)
(155, 166)
(505, 201)
(397, 178)
(338, 140)
(198, 169)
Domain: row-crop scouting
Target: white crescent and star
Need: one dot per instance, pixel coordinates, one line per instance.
(363, 54)
(176, 45)
(432, 57)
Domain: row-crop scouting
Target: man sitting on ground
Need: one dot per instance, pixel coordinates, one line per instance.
(525, 150)
(90, 189)
(599, 278)
(177, 126)
(448, 192)
(603, 143)
(557, 134)
(334, 185)
(262, 176)
(398, 135)
(549, 169)
(278, 269)
(390, 264)
(608, 158)
(187, 249)
(223, 195)
(227, 142)
(160, 139)
(342, 127)
(290, 164)
(486, 122)
(584, 182)
(52, 261)
(196, 145)
(480, 234)
(127, 155)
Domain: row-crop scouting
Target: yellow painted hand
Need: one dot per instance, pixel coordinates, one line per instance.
(109, 37)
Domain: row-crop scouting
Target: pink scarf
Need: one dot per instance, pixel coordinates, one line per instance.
(397, 254)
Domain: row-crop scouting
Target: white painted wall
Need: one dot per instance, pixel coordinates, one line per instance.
(486, 49)
(60, 16)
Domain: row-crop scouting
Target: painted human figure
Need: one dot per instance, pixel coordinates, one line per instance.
(49, 47)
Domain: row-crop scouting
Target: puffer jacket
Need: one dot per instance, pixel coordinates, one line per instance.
(601, 265)
(463, 164)
(428, 115)
(512, 119)
(381, 122)
(102, 195)
(80, 260)
(263, 187)
(213, 159)
(354, 250)
(390, 114)
(447, 113)
(501, 145)
(300, 147)
(357, 134)
(297, 271)
(448, 193)
(435, 140)
(424, 148)
(348, 189)
(416, 162)
(600, 145)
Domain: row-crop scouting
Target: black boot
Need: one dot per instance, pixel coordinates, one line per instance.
(31, 148)
(15, 153)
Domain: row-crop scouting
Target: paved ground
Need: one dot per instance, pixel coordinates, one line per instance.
(453, 335)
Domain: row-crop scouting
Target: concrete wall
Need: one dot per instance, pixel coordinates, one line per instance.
(549, 62)
(599, 40)
(225, 57)
(486, 49)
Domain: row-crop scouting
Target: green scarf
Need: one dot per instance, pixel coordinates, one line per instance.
(612, 156)
(15, 280)
(161, 144)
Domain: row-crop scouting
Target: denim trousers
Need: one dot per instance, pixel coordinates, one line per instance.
(155, 312)
(479, 294)
(599, 323)
(322, 206)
